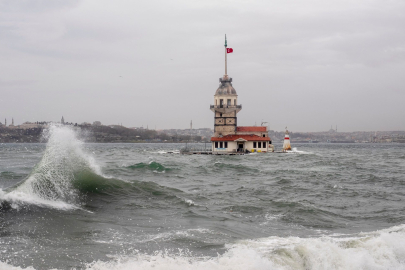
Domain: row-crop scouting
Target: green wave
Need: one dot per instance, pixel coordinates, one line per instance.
(89, 182)
(154, 166)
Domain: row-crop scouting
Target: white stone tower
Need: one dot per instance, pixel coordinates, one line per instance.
(225, 105)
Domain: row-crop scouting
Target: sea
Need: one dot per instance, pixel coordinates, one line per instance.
(68, 204)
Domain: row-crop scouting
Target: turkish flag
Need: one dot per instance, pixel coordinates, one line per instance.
(229, 50)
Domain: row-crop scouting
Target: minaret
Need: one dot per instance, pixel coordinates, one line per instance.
(191, 130)
(62, 121)
(225, 104)
(12, 121)
(5, 121)
(286, 144)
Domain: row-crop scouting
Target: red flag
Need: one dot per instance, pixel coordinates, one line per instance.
(229, 50)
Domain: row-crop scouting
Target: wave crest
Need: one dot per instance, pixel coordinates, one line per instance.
(51, 183)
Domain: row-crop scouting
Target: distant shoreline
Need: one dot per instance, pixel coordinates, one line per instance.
(33, 133)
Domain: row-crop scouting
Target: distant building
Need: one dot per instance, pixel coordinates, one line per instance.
(115, 126)
(28, 125)
(331, 130)
(96, 123)
(62, 121)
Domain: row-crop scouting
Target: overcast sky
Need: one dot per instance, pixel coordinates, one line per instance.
(305, 64)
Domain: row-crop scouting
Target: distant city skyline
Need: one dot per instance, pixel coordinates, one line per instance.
(332, 128)
(303, 64)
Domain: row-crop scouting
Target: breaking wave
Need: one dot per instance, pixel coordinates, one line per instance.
(383, 249)
(66, 174)
(51, 183)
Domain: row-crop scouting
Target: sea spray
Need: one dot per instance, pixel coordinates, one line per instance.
(51, 181)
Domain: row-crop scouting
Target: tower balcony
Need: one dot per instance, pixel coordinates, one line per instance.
(225, 108)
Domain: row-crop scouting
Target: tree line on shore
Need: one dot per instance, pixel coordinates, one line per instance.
(96, 134)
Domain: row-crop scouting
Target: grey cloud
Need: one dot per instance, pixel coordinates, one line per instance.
(36, 5)
(306, 64)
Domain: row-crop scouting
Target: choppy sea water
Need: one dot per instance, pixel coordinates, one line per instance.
(71, 205)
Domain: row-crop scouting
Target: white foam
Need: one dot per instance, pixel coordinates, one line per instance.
(273, 217)
(241, 259)
(383, 249)
(5, 266)
(17, 199)
(189, 202)
(296, 151)
(168, 152)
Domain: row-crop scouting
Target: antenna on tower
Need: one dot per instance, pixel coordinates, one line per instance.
(226, 45)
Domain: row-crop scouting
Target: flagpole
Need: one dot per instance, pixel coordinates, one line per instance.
(226, 72)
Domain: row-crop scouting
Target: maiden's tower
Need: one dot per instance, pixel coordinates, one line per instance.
(228, 136)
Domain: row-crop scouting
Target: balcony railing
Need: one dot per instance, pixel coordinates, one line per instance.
(226, 106)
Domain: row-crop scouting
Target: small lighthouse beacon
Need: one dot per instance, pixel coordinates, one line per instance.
(286, 144)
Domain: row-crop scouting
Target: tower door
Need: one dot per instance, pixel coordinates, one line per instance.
(240, 147)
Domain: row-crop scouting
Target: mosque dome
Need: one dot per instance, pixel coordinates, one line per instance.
(225, 88)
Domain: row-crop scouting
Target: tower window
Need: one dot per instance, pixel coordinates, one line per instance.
(221, 145)
(264, 145)
(234, 102)
(264, 135)
(225, 144)
(259, 145)
(254, 144)
(228, 102)
(216, 144)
